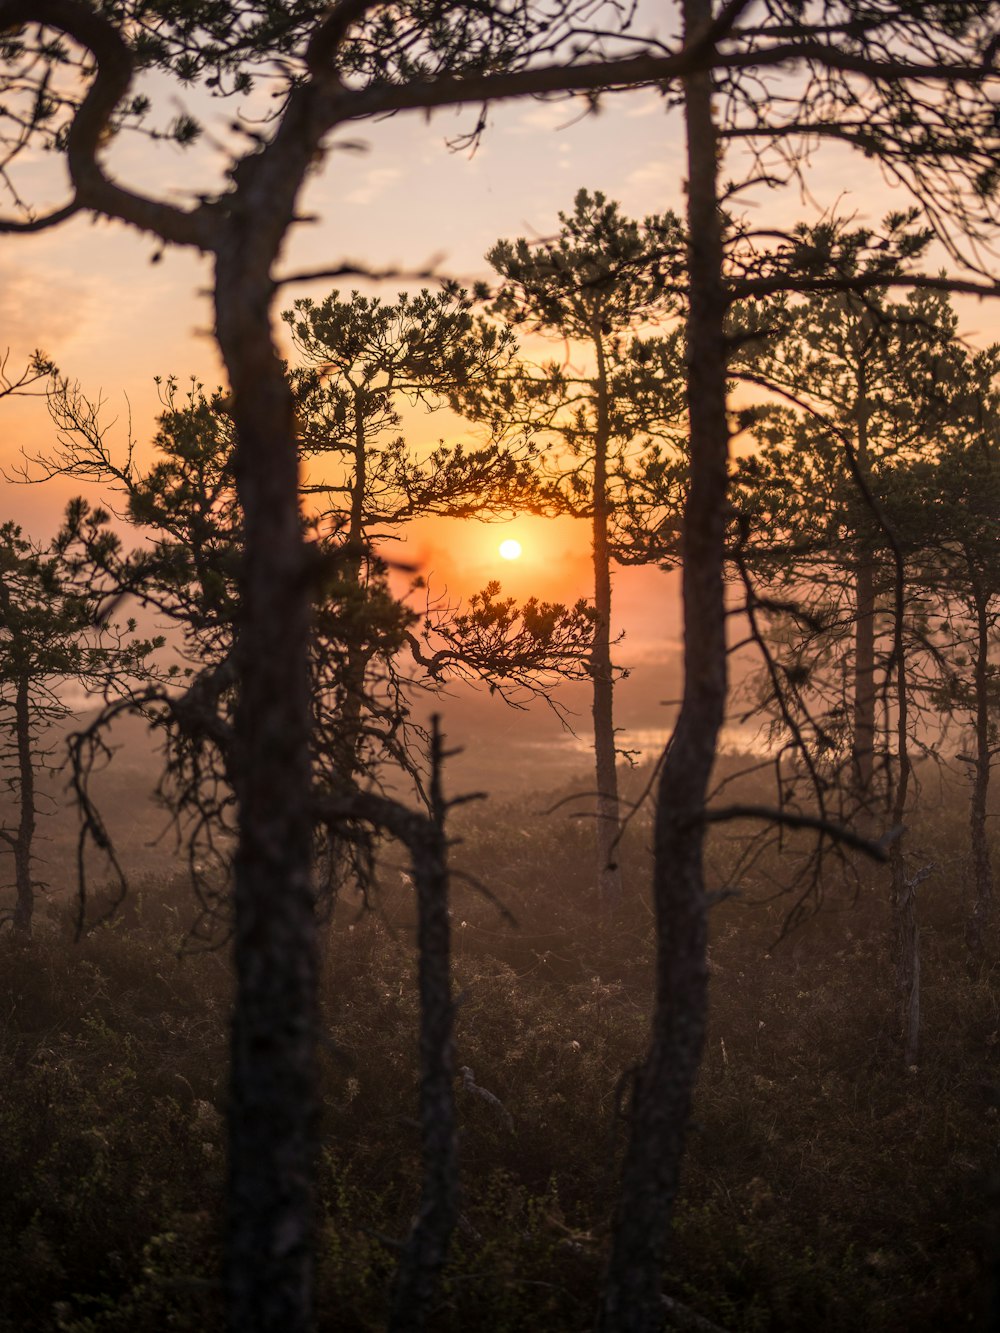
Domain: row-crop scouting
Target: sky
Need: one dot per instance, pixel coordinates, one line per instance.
(113, 315)
(90, 295)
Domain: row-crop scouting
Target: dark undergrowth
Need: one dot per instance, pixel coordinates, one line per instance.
(827, 1187)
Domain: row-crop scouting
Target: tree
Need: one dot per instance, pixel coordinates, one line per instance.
(860, 373)
(360, 360)
(367, 654)
(52, 637)
(910, 85)
(865, 82)
(341, 64)
(878, 389)
(186, 569)
(952, 500)
(594, 285)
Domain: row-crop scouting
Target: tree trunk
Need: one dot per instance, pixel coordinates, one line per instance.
(863, 747)
(663, 1087)
(609, 879)
(358, 655)
(907, 956)
(427, 1247)
(343, 740)
(272, 1081)
(25, 905)
(863, 744)
(982, 868)
(903, 897)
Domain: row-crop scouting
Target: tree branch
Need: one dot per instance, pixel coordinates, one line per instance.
(878, 851)
(743, 288)
(94, 190)
(323, 44)
(629, 72)
(43, 223)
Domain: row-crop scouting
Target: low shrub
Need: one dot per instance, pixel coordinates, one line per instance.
(826, 1187)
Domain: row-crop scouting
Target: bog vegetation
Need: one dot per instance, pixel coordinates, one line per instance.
(826, 1185)
(462, 1054)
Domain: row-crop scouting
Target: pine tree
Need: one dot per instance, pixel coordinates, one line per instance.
(595, 285)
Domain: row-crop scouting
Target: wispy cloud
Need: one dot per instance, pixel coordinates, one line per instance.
(643, 104)
(538, 116)
(375, 182)
(40, 307)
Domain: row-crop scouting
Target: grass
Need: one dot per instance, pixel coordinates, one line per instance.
(826, 1188)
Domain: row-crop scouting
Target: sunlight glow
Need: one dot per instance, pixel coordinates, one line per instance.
(510, 549)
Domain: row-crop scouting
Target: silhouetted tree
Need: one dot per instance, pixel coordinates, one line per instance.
(860, 372)
(361, 360)
(367, 653)
(53, 640)
(952, 501)
(595, 285)
(905, 84)
(333, 66)
(835, 517)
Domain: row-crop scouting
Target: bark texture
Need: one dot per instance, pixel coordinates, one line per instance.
(982, 867)
(426, 1249)
(863, 745)
(272, 1079)
(24, 906)
(663, 1086)
(609, 879)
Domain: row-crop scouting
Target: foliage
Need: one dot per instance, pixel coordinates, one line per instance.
(825, 1185)
(865, 391)
(601, 286)
(54, 638)
(360, 360)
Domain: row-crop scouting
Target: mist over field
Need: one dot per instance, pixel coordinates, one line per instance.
(827, 1186)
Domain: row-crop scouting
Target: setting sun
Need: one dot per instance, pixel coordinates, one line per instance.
(510, 549)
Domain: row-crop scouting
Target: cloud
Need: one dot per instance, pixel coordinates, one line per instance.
(41, 307)
(554, 115)
(650, 173)
(642, 104)
(374, 183)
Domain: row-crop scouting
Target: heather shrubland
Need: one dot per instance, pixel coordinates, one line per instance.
(827, 1186)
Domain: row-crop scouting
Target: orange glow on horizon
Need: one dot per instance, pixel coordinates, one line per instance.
(457, 557)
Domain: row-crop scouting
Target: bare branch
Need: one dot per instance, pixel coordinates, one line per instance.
(350, 269)
(35, 224)
(878, 851)
(94, 190)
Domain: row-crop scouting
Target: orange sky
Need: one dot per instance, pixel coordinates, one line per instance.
(89, 294)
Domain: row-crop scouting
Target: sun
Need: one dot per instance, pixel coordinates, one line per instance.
(510, 549)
